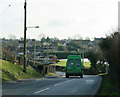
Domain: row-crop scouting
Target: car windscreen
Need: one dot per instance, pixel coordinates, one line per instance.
(70, 62)
(77, 62)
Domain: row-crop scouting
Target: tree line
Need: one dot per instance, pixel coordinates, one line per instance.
(111, 53)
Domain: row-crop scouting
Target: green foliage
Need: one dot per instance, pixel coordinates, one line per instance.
(111, 52)
(48, 39)
(52, 74)
(93, 57)
(60, 48)
(12, 71)
(72, 46)
(61, 63)
(107, 87)
(43, 40)
(110, 48)
(105, 44)
(87, 64)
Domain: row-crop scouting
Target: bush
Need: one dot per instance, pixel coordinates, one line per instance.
(111, 52)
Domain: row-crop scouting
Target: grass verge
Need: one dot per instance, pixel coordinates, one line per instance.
(12, 72)
(52, 74)
(107, 88)
(61, 63)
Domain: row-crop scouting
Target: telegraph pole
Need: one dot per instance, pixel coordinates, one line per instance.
(83, 52)
(25, 28)
(34, 52)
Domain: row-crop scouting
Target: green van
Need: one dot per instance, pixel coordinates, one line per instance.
(74, 66)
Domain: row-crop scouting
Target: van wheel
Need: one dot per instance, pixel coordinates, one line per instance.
(67, 76)
(81, 75)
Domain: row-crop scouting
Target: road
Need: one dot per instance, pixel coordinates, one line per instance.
(88, 85)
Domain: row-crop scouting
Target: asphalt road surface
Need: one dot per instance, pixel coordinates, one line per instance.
(88, 85)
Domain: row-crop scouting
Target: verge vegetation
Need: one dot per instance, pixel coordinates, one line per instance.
(52, 74)
(12, 71)
(107, 88)
(111, 54)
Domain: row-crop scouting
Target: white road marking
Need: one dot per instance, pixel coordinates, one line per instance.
(62, 83)
(68, 81)
(49, 88)
(58, 84)
(42, 90)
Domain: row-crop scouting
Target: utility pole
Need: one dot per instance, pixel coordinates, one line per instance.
(34, 52)
(25, 28)
(83, 52)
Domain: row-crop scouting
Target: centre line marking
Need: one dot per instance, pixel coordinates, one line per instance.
(58, 84)
(68, 81)
(42, 90)
(62, 83)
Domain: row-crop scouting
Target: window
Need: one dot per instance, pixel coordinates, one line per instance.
(70, 62)
(77, 62)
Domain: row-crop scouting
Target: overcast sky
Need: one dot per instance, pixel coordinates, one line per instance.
(59, 18)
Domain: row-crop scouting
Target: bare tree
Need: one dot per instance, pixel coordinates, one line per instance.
(77, 36)
(41, 36)
(11, 36)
